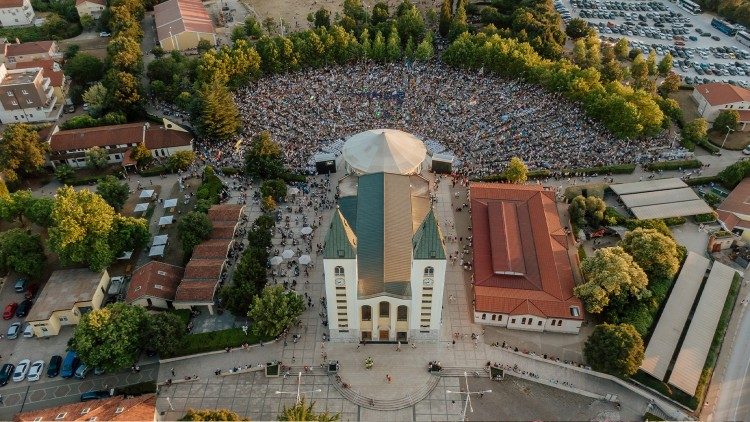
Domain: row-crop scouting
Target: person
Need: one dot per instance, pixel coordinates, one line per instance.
(172, 371)
(388, 378)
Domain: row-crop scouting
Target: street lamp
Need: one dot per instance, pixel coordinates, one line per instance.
(729, 130)
(299, 393)
(468, 394)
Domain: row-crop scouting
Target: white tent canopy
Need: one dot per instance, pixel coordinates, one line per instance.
(142, 207)
(276, 260)
(160, 240)
(166, 220)
(305, 259)
(146, 193)
(170, 203)
(306, 230)
(384, 150)
(156, 251)
(288, 253)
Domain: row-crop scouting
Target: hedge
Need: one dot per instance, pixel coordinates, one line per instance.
(228, 171)
(154, 171)
(708, 146)
(499, 177)
(674, 165)
(592, 189)
(613, 217)
(650, 417)
(704, 180)
(147, 387)
(215, 340)
(675, 221)
(611, 169)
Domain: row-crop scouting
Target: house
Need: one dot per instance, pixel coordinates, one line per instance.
(67, 296)
(154, 285)
(93, 8)
(523, 260)
(26, 95)
(52, 70)
(116, 408)
(16, 52)
(734, 211)
(714, 97)
(16, 12)
(70, 146)
(181, 24)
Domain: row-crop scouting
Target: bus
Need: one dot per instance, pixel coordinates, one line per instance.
(690, 6)
(723, 26)
(743, 38)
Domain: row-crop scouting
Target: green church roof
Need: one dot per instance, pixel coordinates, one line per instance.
(428, 241)
(341, 243)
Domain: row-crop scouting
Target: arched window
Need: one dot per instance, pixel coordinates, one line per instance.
(401, 313)
(366, 313)
(429, 272)
(385, 309)
(338, 271)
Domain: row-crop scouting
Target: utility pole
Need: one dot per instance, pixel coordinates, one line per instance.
(468, 394)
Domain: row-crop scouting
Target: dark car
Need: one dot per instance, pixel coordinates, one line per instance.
(31, 291)
(95, 395)
(70, 364)
(10, 310)
(53, 369)
(24, 308)
(6, 372)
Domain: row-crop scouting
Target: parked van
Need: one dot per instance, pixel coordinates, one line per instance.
(70, 364)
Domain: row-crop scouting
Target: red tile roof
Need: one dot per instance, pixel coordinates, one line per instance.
(10, 3)
(744, 116)
(201, 291)
(521, 261)
(735, 208)
(181, 16)
(155, 279)
(225, 212)
(217, 248)
(117, 408)
(223, 229)
(204, 268)
(155, 137)
(24, 48)
(161, 137)
(99, 2)
(56, 76)
(720, 94)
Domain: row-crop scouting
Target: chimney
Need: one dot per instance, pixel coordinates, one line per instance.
(18, 41)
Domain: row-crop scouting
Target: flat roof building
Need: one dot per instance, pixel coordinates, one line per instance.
(181, 24)
(660, 198)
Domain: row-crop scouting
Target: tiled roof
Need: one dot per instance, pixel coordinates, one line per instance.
(520, 252)
(200, 291)
(215, 248)
(10, 3)
(225, 212)
(737, 204)
(24, 48)
(99, 2)
(204, 268)
(223, 229)
(56, 77)
(155, 279)
(117, 408)
(720, 94)
(181, 16)
(161, 137)
(130, 133)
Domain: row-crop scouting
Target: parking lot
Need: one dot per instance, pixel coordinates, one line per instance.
(701, 52)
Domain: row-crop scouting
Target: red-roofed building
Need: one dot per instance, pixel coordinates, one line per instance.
(734, 211)
(714, 97)
(154, 285)
(116, 408)
(93, 8)
(523, 276)
(181, 24)
(52, 70)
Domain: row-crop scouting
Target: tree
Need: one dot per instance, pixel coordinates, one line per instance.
(123, 90)
(205, 45)
(425, 50)
(303, 411)
(64, 172)
(164, 333)
(585, 210)
(274, 310)
(110, 338)
(210, 415)
(380, 13)
(671, 83)
(410, 22)
(97, 157)
(516, 171)
(124, 54)
(21, 252)
(4, 193)
(446, 17)
(579, 53)
(275, 188)
(263, 158)
(654, 252)
(393, 46)
(609, 273)
(459, 23)
(127, 234)
(96, 97)
(268, 204)
(82, 221)
(578, 28)
(14, 206)
(21, 151)
(252, 27)
(651, 63)
(141, 154)
(216, 112)
(726, 121)
(112, 190)
(84, 68)
(322, 18)
(614, 349)
(39, 211)
(378, 51)
(622, 48)
(193, 228)
(665, 65)
(180, 160)
(695, 132)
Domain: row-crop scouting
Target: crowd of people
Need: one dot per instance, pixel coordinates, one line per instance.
(481, 119)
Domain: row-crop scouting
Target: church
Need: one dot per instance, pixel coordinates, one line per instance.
(384, 255)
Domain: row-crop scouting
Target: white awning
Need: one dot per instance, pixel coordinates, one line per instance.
(156, 251)
(647, 186)
(160, 240)
(384, 150)
(170, 203)
(166, 220)
(147, 193)
(142, 207)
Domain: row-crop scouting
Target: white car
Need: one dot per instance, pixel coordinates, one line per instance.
(104, 34)
(21, 369)
(36, 370)
(28, 332)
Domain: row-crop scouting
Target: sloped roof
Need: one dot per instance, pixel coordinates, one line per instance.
(225, 212)
(10, 3)
(384, 150)
(154, 279)
(181, 16)
(737, 204)
(215, 248)
(520, 251)
(719, 94)
(101, 136)
(428, 241)
(20, 49)
(99, 2)
(116, 408)
(340, 243)
(56, 77)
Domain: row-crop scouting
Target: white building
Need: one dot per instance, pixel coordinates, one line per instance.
(714, 97)
(16, 12)
(384, 256)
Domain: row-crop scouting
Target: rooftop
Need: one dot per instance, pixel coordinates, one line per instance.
(384, 150)
(719, 94)
(736, 205)
(177, 16)
(51, 70)
(100, 2)
(154, 279)
(64, 289)
(116, 408)
(24, 48)
(10, 3)
(155, 137)
(20, 76)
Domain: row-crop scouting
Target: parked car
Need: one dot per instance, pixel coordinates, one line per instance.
(20, 285)
(13, 330)
(28, 331)
(95, 395)
(10, 310)
(53, 369)
(36, 370)
(70, 364)
(6, 372)
(104, 34)
(24, 308)
(31, 291)
(82, 371)
(20, 373)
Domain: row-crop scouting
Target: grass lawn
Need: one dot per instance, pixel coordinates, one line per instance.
(216, 340)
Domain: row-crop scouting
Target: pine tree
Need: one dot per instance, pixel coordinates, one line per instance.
(364, 40)
(393, 48)
(410, 49)
(378, 50)
(458, 24)
(218, 117)
(446, 16)
(424, 49)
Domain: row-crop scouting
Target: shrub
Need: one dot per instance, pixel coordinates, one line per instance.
(712, 199)
(705, 180)
(228, 171)
(216, 340)
(613, 217)
(154, 171)
(674, 221)
(733, 175)
(499, 177)
(674, 165)
(611, 169)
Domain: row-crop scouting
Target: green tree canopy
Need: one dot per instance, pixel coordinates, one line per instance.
(671, 83)
(96, 97)
(21, 252)
(726, 121)
(516, 171)
(216, 113)
(578, 28)
(274, 310)
(322, 18)
(263, 159)
(665, 65)
(614, 349)
(211, 415)
(180, 160)
(127, 234)
(110, 338)
(39, 211)
(585, 210)
(15, 205)
(275, 188)
(695, 132)
(21, 151)
(622, 48)
(459, 23)
(141, 154)
(164, 333)
(84, 68)
(654, 252)
(113, 191)
(97, 157)
(304, 411)
(193, 228)
(609, 273)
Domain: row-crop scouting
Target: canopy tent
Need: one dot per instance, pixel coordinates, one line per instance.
(276, 260)
(384, 150)
(156, 251)
(170, 203)
(160, 240)
(146, 194)
(166, 220)
(142, 207)
(305, 259)
(306, 230)
(292, 191)
(288, 253)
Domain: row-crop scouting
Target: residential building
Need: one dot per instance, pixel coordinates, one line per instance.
(153, 285)
(16, 12)
(734, 211)
(115, 408)
(181, 24)
(27, 96)
(70, 146)
(52, 70)
(68, 295)
(93, 8)
(17, 52)
(523, 260)
(384, 257)
(714, 97)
